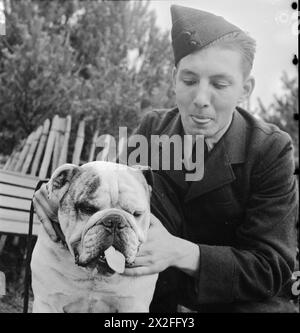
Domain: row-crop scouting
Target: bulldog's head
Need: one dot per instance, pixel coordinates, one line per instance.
(103, 207)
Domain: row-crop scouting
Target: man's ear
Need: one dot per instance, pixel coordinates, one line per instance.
(174, 73)
(248, 88)
(60, 180)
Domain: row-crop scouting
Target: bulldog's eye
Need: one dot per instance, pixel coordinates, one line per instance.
(86, 208)
(137, 213)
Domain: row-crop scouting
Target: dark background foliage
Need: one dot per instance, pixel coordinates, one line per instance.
(101, 60)
(105, 61)
(283, 110)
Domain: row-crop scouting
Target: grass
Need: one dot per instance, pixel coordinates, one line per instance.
(13, 303)
(12, 264)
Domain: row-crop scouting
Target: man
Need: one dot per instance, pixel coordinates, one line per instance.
(232, 244)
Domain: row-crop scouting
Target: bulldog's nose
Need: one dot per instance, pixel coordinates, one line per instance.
(114, 221)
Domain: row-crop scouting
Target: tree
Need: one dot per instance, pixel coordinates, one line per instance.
(94, 59)
(283, 109)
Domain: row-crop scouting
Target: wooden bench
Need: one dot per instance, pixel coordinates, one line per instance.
(35, 158)
(16, 191)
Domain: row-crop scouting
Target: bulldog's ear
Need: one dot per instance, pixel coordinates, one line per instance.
(147, 172)
(60, 180)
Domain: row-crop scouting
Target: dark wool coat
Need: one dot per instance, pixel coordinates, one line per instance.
(242, 213)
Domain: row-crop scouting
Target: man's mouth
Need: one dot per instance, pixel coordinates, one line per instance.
(201, 120)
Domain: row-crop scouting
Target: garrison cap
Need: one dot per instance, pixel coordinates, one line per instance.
(193, 29)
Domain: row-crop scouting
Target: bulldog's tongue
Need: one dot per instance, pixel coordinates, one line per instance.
(115, 259)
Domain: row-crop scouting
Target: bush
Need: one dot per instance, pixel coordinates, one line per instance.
(94, 59)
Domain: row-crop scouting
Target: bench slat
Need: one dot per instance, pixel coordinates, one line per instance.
(17, 191)
(20, 185)
(18, 179)
(13, 215)
(18, 227)
(14, 203)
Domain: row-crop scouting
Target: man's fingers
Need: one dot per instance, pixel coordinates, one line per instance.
(44, 219)
(138, 271)
(49, 206)
(49, 229)
(141, 261)
(41, 200)
(45, 210)
(145, 249)
(43, 190)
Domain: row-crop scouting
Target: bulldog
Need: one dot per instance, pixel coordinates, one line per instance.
(104, 215)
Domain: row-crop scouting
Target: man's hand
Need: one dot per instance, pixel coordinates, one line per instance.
(162, 250)
(157, 253)
(46, 210)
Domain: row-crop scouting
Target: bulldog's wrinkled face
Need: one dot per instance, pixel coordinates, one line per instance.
(101, 205)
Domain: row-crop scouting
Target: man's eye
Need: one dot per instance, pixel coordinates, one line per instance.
(189, 82)
(220, 85)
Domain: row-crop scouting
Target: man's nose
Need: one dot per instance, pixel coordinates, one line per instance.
(202, 97)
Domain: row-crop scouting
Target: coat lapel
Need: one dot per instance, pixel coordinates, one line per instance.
(217, 168)
(177, 176)
(217, 172)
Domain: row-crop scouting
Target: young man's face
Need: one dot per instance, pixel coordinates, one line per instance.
(209, 84)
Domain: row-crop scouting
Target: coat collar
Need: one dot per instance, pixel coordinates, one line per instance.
(235, 139)
(231, 149)
(174, 127)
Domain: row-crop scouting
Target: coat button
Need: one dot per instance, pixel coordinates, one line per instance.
(193, 43)
(187, 34)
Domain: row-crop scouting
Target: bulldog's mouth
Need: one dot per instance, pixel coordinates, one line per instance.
(110, 262)
(109, 245)
(113, 260)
